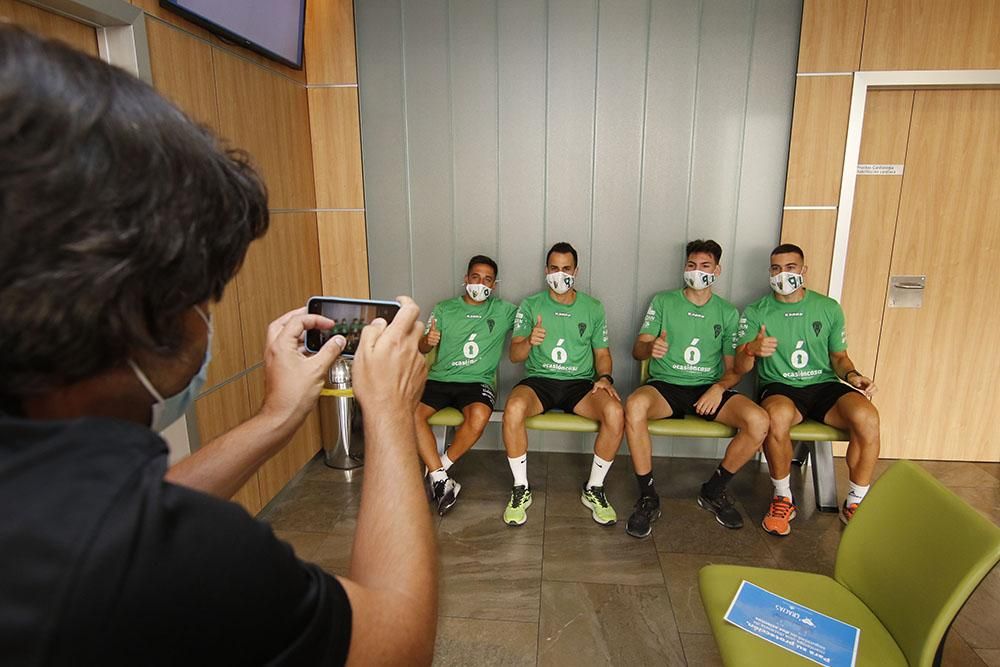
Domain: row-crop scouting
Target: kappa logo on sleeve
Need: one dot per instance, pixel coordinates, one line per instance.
(490, 323)
(718, 330)
(582, 326)
(817, 326)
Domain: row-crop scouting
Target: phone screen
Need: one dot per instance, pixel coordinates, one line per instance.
(350, 316)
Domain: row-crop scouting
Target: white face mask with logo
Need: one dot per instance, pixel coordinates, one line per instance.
(787, 282)
(698, 280)
(478, 292)
(560, 281)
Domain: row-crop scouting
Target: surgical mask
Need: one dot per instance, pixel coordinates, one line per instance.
(478, 291)
(698, 280)
(168, 410)
(787, 282)
(560, 281)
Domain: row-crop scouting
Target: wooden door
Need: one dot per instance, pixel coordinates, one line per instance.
(936, 366)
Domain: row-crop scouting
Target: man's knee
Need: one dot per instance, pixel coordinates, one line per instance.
(757, 423)
(780, 417)
(636, 411)
(515, 412)
(478, 417)
(613, 416)
(864, 422)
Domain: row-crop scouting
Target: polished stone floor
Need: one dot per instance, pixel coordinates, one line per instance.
(562, 590)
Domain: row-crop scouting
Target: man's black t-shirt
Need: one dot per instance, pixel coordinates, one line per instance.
(103, 562)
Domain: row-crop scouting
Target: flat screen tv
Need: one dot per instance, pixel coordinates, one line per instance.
(273, 28)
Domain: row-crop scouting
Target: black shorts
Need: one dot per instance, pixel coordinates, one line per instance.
(682, 398)
(558, 394)
(813, 401)
(458, 395)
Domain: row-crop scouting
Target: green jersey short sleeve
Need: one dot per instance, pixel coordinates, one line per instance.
(807, 332)
(471, 339)
(698, 337)
(572, 333)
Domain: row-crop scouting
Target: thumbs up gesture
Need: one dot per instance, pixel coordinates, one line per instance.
(660, 346)
(537, 332)
(763, 345)
(433, 335)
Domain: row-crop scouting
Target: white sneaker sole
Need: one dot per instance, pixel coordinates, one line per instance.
(593, 512)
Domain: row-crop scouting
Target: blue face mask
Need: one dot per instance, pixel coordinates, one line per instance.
(168, 410)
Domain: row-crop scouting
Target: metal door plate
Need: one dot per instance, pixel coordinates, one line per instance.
(906, 291)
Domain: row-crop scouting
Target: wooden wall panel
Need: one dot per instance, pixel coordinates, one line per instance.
(280, 273)
(344, 254)
(182, 71)
(931, 34)
(329, 46)
(831, 35)
(873, 223)
(819, 133)
(268, 115)
(277, 472)
(153, 9)
(220, 411)
(79, 36)
(813, 232)
(336, 141)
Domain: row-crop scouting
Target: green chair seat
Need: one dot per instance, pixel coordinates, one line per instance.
(690, 426)
(561, 421)
(719, 584)
(816, 431)
(446, 417)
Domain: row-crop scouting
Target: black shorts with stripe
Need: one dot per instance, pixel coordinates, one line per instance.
(457, 395)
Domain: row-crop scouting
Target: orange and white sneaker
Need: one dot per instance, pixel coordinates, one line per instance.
(778, 516)
(847, 512)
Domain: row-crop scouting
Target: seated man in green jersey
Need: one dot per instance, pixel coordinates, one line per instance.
(690, 336)
(562, 336)
(468, 331)
(797, 338)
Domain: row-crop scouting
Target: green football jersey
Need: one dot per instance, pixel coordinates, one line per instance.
(698, 337)
(807, 332)
(572, 333)
(471, 339)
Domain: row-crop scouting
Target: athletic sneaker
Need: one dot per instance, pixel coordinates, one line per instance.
(516, 512)
(723, 508)
(602, 511)
(778, 516)
(847, 512)
(645, 512)
(446, 494)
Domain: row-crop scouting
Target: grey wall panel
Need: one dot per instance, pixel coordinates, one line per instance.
(474, 94)
(621, 90)
(669, 127)
(572, 78)
(720, 114)
(426, 33)
(522, 48)
(765, 149)
(626, 127)
(383, 144)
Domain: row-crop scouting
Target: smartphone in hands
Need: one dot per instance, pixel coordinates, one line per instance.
(350, 315)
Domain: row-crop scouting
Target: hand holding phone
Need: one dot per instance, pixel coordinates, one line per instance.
(349, 316)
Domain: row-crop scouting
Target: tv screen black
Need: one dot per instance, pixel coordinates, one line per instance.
(273, 28)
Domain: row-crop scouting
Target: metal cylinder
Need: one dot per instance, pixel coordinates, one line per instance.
(340, 422)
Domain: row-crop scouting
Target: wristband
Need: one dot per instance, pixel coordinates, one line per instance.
(600, 377)
(848, 373)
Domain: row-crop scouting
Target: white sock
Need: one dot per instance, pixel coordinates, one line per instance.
(438, 475)
(519, 468)
(446, 463)
(782, 487)
(856, 493)
(598, 470)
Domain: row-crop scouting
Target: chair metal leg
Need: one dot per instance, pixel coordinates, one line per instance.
(800, 453)
(824, 475)
(444, 435)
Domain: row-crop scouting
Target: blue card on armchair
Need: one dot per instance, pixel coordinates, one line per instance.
(808, 633)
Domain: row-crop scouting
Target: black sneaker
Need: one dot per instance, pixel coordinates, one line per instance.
(446, 494)
(723, 508)
(646, 511)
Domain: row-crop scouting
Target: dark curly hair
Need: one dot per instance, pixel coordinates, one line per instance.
(117, 214)
(707, 246)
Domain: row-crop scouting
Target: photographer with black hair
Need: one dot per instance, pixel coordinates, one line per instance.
(121, 222)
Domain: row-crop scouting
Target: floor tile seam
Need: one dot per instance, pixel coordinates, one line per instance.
(479, 618)
(698, 553)
(558, 580)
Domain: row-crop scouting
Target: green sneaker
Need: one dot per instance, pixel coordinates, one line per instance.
(516, 512)
(602, 511)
